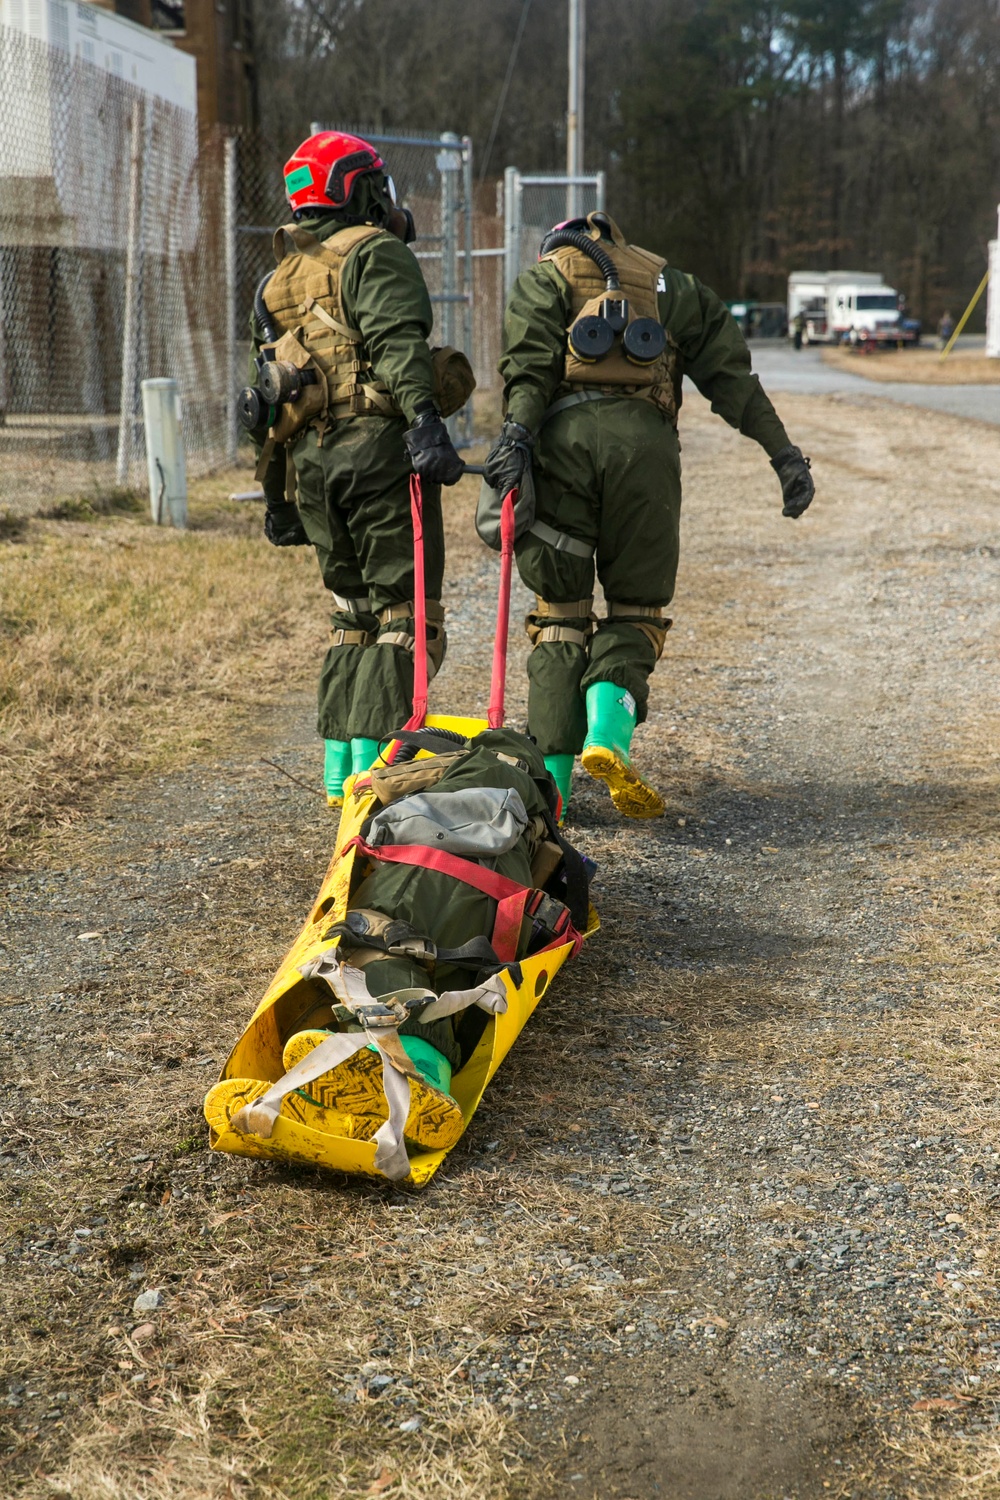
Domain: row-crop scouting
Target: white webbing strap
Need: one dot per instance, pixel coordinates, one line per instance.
(390, 1150)
(348, 984)
(353, 604)
(343, 979)
(491, 997)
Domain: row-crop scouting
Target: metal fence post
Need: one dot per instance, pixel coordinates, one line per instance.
(5, 395)
(468, 282)
(449, 166)
(133, 281)
(230, 231)
(511, 228)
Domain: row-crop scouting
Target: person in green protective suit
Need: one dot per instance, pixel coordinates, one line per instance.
(336, 459)
(596, 337)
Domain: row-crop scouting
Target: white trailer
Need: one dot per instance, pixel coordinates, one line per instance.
(855, 307)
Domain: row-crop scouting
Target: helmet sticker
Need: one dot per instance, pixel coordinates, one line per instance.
(297, 180)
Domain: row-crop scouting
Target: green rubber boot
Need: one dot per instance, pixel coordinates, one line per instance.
(560, 768)
(364, 754)
(610, 724)
(336, 765)
(432, 1065)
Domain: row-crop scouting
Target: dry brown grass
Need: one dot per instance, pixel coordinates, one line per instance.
(923, 366)
(124, 647)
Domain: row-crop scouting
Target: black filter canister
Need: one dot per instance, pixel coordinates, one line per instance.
(643, 341)
(252, 411)
(591, 339)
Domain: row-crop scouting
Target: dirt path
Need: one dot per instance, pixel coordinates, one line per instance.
(720, 1230)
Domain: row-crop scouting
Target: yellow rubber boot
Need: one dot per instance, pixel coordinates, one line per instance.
(354, 1088)
(610, 723)
(227, 1098)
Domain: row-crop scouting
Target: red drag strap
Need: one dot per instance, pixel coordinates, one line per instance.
(513, 899)
(498, 681)
(416, 719)
(487, 881)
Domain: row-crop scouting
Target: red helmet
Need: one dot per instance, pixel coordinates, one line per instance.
(324, 169)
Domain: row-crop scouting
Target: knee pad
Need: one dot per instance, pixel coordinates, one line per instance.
(437, 638)
(576, 610)
(340, 637)
(648, 619)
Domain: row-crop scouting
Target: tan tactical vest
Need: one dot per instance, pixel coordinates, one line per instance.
(638, 271)
(304, 299)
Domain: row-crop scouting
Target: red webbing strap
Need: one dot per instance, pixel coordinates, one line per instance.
(507, 927)
(487, 881)
(498, 681)
(511, 897)
(416, 719)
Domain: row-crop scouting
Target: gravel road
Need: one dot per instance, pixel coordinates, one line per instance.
(721, 1228)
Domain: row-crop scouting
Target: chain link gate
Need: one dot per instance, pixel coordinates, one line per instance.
(533, 204)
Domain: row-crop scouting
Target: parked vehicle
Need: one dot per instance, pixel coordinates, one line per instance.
(760, 320)
(848, 307)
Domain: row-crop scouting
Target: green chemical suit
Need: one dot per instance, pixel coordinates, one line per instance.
(607, 477)
(351, 483)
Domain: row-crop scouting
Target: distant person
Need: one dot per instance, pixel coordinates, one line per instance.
(799, 328)
(946, 327)
(348, 301)
(596, 337)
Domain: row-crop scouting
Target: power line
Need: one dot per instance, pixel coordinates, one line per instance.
(506, 86)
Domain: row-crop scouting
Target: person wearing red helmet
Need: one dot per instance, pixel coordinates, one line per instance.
(344, 412)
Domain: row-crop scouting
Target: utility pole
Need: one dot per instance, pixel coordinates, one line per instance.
(574, 107)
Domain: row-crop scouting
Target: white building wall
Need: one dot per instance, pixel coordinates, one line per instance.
(993, 298)
(109, 42)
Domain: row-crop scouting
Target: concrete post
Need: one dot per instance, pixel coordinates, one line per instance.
(161, 410)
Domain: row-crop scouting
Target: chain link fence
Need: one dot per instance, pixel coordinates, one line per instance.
(130, 248)
(533, 204)
(110, 248)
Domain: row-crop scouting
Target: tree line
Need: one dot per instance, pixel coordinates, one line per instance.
(741, 139)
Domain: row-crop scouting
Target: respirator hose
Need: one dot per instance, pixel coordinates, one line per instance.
(261, 313)
(579, 241)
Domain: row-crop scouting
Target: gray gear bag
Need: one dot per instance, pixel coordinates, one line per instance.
(479, 822)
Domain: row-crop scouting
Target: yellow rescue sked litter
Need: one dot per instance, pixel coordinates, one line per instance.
(322, 1073)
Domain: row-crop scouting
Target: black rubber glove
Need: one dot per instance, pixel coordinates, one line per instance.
(797, 486)
(282, 525)
(508, 458)
(432, 452)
